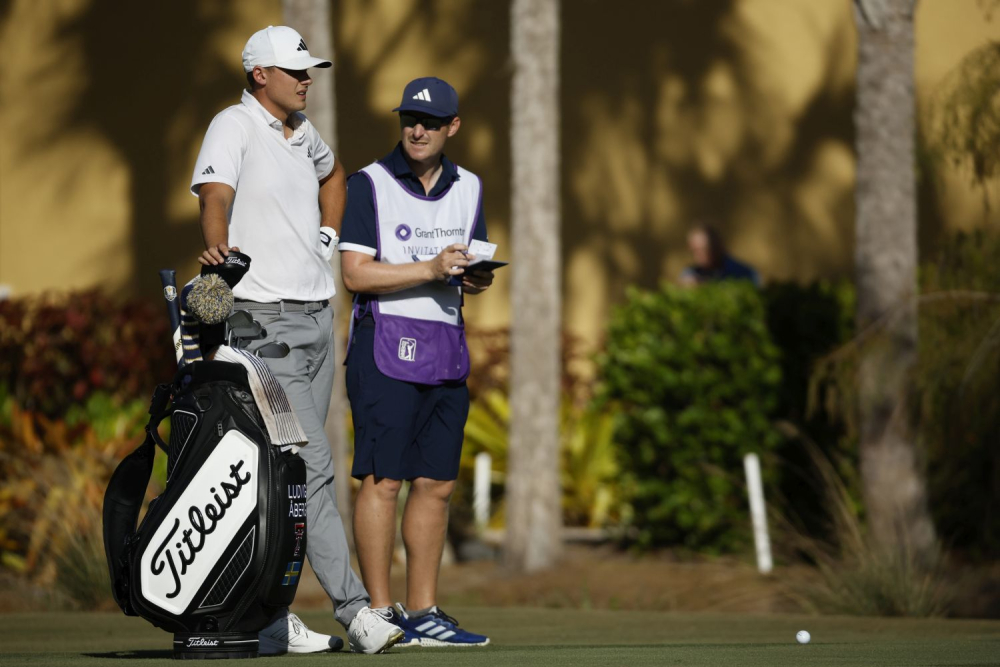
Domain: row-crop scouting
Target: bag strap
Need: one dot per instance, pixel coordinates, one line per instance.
(123, 499)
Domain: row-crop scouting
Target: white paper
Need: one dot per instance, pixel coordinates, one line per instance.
(482, 250)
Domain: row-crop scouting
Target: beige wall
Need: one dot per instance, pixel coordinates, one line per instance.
(738, 111)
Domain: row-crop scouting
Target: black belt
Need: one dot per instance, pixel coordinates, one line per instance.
(283, 306)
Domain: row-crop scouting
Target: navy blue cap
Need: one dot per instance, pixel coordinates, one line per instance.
(430, 95)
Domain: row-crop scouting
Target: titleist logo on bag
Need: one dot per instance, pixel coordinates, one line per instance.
(201, 524)
(193, 642)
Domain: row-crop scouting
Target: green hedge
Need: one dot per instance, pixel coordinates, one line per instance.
(694, 376)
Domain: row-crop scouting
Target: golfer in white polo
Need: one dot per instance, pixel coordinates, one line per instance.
(267, 183)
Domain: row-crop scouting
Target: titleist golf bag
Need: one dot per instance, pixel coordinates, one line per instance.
(220, 551)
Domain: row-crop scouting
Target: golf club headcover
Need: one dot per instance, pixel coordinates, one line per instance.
(232, 270)
(210, 299)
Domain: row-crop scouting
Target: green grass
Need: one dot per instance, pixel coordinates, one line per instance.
(522, 637)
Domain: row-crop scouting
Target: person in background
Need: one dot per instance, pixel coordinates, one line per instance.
(711, 261)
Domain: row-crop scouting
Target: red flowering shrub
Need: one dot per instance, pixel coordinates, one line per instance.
(57, 350)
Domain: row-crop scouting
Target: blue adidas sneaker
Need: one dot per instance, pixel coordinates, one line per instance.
(435, 628)
(410, 638)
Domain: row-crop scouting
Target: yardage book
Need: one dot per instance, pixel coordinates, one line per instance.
(485, 265)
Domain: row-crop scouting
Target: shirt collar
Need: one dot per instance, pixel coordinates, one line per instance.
(400, 168)
(257, 109)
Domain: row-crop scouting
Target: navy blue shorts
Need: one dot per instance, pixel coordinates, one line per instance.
(402, 430)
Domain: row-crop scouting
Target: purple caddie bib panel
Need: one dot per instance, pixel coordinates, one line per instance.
(420, 351)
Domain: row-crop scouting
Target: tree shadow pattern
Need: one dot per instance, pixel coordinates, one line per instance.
(151, 70)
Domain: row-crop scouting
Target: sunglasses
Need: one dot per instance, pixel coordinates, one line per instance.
(297, 74)
(429, 122)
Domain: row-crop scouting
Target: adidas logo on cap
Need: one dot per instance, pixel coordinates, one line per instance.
(429, 95)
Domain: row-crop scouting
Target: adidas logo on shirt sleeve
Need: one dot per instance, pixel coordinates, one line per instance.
(208, 171)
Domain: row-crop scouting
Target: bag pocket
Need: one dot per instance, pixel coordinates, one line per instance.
(289, 535)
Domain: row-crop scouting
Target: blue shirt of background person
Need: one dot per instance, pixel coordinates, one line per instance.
(711, 261)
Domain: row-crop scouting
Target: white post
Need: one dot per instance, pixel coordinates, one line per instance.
(758, 514)
(481, 489)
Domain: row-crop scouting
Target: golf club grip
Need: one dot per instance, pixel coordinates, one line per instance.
(168, 278)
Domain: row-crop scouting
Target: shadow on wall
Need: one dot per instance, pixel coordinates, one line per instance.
(739, 113)
(733, 111)
(152, 75)
(959, 134)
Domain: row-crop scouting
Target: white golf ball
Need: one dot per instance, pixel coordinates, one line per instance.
(802, 637)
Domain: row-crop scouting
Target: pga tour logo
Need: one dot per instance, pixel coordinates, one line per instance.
(201, 524)
(408, 349)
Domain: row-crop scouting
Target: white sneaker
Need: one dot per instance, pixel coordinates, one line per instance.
(371, 632)
(288, 634)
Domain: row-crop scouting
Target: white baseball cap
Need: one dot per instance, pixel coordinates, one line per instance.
(279, 46)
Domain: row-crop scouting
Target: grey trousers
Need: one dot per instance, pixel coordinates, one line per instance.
(306, 375)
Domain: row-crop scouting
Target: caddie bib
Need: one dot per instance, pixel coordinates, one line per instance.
(419, 332)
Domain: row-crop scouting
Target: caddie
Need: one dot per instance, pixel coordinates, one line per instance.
(404, 252)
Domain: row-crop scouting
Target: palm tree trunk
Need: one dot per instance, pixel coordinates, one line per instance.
(312, 19)
(885, 265)
(534, 513)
